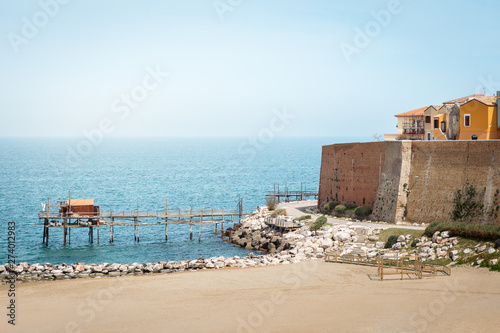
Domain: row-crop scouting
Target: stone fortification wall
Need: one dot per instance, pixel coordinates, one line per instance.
(411, 180)
(350, 173)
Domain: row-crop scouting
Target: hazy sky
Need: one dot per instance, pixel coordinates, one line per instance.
(237, 67)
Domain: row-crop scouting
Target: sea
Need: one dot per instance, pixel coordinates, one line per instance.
(130, 173)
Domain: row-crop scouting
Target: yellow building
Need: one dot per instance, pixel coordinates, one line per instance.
(429, 123)
(479, 119)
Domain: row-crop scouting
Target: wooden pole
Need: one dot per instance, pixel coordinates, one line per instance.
(47, 237)
(201, 221)
(69, 234)
(166, 219)
(191, 224)
(64, 231)
(98, 232)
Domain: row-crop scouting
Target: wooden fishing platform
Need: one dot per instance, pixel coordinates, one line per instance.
(82, 213)
(287, 196)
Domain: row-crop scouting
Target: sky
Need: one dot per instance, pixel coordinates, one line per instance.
(204, 68)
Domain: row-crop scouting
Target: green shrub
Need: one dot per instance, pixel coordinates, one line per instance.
(479, 231)
(340, 209)
(320, 221)
(415, 242)
(497, 243)
(330, 206)
(363, 211)
(271, 203)
(391, 241)
(305, 217)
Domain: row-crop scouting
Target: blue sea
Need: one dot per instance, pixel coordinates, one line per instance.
(121, 173)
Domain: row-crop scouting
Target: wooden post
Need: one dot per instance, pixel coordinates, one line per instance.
(69, 234)
(166, 219)
(138, 237)
(65, 230)
(191, 224)
(135, 229)
(47, 236)
(97, 232)
(45, 227)
(199, 235)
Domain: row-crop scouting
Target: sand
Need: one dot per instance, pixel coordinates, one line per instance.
(305, 297)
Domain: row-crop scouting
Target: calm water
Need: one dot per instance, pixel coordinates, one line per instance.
(120, 173)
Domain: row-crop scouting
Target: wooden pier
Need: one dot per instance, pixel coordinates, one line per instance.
(81, 213)
(287, 196)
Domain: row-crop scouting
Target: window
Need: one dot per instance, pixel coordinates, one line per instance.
(429, 136)
(467, 120)
(474, 137)
(427, 119)
(436, 123)
(443, 127)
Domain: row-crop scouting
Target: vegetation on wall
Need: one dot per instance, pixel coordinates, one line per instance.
(469, 205)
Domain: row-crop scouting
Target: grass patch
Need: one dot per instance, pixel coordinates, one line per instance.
(477, 231)
(305, 217)
(320, 222)
(385, 234)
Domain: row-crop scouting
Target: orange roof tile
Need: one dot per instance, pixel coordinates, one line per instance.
(416, 112)
(462, 100)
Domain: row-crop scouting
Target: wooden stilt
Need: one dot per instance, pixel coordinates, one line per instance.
(97, 232)
(69, 234)
(166, 231)
(65, 231)
(138, 238)
(190, 232)
(199, 235)
(47, 237)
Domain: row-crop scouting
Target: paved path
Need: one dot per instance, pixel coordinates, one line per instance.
(296, 209)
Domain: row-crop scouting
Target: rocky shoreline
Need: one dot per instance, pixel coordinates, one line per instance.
(255, 233)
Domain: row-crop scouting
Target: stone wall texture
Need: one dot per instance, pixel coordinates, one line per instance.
(411, 180)
(350, 172)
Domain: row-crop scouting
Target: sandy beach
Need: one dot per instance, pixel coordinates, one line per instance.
(304, 297)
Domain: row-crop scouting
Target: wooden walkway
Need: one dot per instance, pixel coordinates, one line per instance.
(287, 196)
(53, 217)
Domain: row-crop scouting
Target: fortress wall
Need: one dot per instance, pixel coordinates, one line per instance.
(350, 173)
(439, 169)
(411, 180)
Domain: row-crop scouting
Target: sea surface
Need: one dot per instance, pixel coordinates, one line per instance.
(123, 173)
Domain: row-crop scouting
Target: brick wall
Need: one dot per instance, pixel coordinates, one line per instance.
(350, 173)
